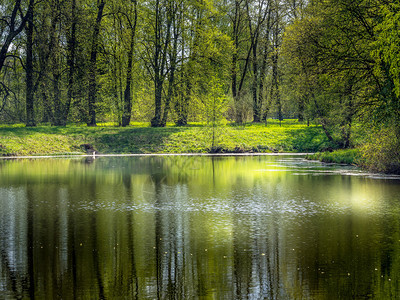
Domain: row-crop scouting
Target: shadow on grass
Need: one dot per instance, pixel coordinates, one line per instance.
(105, 139)
(134, 140)
(307, 139)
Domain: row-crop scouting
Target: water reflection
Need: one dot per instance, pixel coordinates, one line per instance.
(196, 227)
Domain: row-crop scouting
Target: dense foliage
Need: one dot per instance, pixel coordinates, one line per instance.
(343, 63)
(122, 60)
(332, 62)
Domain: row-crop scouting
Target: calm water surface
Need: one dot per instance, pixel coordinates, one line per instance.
(194, 227)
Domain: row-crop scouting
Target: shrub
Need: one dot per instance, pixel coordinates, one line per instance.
(382, 152)
(344, 156)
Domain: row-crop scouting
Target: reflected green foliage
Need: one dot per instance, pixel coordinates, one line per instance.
(196, 227)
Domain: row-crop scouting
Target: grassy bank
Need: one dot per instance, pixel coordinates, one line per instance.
(344, 156)
(288, 136)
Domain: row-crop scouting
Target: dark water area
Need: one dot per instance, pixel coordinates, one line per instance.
(195, 227)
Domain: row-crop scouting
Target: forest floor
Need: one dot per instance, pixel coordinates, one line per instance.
(139, 138)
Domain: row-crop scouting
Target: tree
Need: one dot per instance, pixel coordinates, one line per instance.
(30, 114)
(387, 56)
(215, 106)
(127, 107)
(12, 25)
(92, 93)
(332, 44)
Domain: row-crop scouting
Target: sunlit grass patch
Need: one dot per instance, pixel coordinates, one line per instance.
(343, 156)
(275, 136)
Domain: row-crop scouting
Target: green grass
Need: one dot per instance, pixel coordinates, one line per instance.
(344, 156)
(289, 136)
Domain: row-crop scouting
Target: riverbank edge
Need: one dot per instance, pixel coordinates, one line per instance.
(151, 154)
(288, 137)
(340, 156)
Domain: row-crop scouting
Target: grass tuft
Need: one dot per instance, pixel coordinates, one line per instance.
(344, 156)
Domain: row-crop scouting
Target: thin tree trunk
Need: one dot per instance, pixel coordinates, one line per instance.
(264, 68)
(256, 108)
(71, 61)
(173, 62)
(160, 60)
(181, 106)
(126, 115)
(54, 40)
(93, 67)
(30, 113)
(158, 79)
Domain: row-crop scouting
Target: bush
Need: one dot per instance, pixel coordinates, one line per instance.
(344, 156)
(382, 152)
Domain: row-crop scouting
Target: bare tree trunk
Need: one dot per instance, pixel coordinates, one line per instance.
(158, 78)
(160, 59)
(71, 60)
(30, 113)
(263, 70)
(158, 85)
(93, 67)
(256, 106)
(127, 107)
(168, 98)
(56, 70)
(183, 97)
(176, 20)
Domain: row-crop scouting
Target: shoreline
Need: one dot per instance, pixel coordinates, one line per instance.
(152, 154)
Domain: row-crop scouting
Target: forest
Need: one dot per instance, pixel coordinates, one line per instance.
(334, 63)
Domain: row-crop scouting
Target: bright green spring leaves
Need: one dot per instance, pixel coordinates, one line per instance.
(388, 42)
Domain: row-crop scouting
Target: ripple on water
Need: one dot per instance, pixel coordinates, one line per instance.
(289, 209)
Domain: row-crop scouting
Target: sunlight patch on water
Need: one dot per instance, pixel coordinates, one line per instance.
(287, 209)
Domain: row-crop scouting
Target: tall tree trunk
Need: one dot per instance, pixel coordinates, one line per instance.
(183, 97)
(263, 70)
(158, 79)
(92, 94)
(256, 105)
(158, 85)
(262, 78)
(56, 70)
(30, 113)
(71, 61)
(275, 72)
(235, 57)
(169, 97)
(160, 59)
(267, 107)
(173, 62)
(127, 107)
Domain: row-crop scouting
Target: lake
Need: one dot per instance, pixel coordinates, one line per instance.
(197, 227)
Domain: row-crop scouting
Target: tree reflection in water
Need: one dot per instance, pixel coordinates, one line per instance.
(195, 227)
